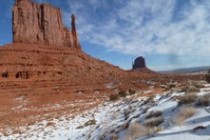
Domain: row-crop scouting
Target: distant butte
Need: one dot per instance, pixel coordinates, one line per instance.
(139, 62)
(41, 24)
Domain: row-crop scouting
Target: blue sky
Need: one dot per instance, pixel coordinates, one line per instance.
(170, 34)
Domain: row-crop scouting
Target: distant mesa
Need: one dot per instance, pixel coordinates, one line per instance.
(41, 24)
(139, 63)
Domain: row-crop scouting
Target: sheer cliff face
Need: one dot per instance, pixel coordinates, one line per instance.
(41, 24)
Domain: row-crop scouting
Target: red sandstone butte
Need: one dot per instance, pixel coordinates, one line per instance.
(41, 24)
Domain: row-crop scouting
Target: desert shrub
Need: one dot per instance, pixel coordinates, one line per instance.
(136, 130)
(154, 114)
(154, 121)
(200, 127)
(203, 100)
(131, 91)
(190, 89)
(154, 118)
(113, 97)
(90, 122)
(197, 85)
(168, 86)
(80, 127)
(183, 89)
(186, 99)
(193, 89)
(208, 76)
(183, 114)
(171, 85)
(125, 125)
(122, 93)
(8, 131)
(114, 137)
(126, 113)
(149, 100)
(102, 137)
(50, 124)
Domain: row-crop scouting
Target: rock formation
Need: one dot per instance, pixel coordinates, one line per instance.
(74, 31)
(38, 27)
(41, 24)
(139, 63)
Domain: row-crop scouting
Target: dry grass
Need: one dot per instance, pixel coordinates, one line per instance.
(187, 99)
(197, 85)
(153, 119)
(154, 122)
(8, 132)
(136, 130)
(154, 114)
(191, 89)
(126, 113)
(203, 100)
(184, 114)
(90, 122)
(114, 137)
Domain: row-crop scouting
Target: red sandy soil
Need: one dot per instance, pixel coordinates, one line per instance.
(61, 80)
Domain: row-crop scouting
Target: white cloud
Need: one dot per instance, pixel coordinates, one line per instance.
(146, 26)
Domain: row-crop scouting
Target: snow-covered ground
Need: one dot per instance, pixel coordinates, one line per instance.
(113, 120)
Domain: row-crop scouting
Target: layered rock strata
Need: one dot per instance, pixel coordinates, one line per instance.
(41, 24)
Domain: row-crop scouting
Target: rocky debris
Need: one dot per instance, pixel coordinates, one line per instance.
(41, 24)
(139, 63)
